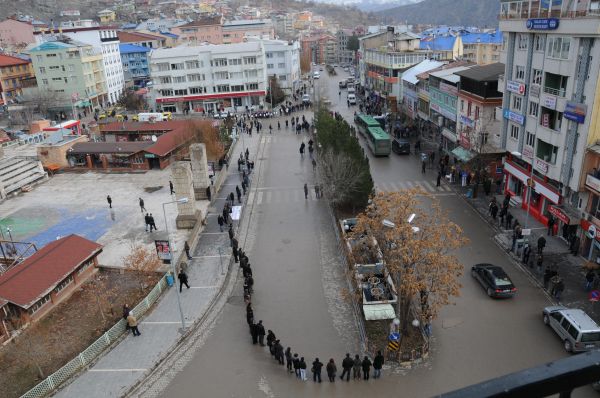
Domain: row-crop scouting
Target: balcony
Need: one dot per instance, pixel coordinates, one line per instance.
(531, 9)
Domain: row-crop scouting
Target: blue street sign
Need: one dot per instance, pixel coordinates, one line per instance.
(595, 295)
(394, 336)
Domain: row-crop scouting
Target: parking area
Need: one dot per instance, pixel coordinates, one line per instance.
(74, 203)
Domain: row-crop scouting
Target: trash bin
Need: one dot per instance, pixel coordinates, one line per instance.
(170, 279)
(470, 193)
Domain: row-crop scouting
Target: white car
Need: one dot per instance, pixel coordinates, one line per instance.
(306, 98)
(352, 99)
(316, 75)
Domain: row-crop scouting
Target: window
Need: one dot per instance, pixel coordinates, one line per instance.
(55, 67)
(178, 79)
(522, 39)
(235, 61)
(192, 64)
(476, 112)
(536, 77)
(555, 84)
(517, 102)
(534, 108)
(269, 66)
(250, 60)
(197, 90)
(42, 70)
(238, 87)
(529, 139)
(181, 91)
(57, 79)
(164, 79)
(166, 92)
(558, 47)
(162, 67)
(551, 119)
(222, 75)
(283, 78)
(519, 72)
(50, 55)
(462, 105)
(469, 109)
(514, 132)
(39, 58)
(178, 66)
(63, 284)
(85, 266)
(219, 62)
(538, 43)
(269, 55)
(252, 73)
(546, 152)
(196, 77)
(281, 65)
(222, 88)
(252, 86)
(39, 304)
(45, 82)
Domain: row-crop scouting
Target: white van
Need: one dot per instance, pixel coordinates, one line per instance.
(351, 90)
(352, 99)
(151, 116)
(316, 75)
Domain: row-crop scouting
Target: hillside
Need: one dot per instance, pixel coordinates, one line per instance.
(50, 9)
(446, 12)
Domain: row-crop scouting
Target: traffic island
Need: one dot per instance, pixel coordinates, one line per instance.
(404, 349)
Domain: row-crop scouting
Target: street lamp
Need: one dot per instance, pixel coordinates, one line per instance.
(172, 250)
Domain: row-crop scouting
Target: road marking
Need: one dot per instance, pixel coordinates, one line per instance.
(212, 233)
(204, 287)
(118, 370)
(259, 197)
(429, 185)
(251, 196)
(161, 322)
(215, 256)
(419, 184)
(409, 184)
(268, 196)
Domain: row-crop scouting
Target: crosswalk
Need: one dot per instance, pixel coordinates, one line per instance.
(424, 185)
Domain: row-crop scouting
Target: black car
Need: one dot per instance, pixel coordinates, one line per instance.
(494, 280)
(401, 146)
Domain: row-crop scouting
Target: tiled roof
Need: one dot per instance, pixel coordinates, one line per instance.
(134, 37)
(124, 147)
(132, 48)
(166, 125)
(38, 274)
(7, 60)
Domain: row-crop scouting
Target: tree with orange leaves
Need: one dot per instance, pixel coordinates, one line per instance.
(417, 242)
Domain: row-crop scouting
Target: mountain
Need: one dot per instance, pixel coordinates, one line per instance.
(445, 12)
(370, 5)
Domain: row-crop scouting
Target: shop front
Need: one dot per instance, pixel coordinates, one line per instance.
(591, 240)
(541, 195)
(565, 225)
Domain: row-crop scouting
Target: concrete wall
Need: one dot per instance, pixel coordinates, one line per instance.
(57, 154)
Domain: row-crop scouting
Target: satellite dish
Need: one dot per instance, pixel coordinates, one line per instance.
(154, 139)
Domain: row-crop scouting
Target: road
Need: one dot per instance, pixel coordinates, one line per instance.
(298, 283)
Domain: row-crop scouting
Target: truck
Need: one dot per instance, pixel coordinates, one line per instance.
(150, 117)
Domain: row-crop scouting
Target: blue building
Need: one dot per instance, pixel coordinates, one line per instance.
(135, 63)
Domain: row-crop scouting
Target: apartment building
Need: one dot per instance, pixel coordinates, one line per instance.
(550, 84)
(13, 71)
(207, 29)
(73, 71)
(237, 30)
(135, 63)
(482, 48)
(343, 55)
(209, 78)
(15, 35)
(103, 39)
(282, 60)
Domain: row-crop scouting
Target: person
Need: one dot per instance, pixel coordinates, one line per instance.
(296, 361)
(133, 324)
(347, 364)
(260, 333)
(183, 280)
(541, 244)
(494, 210)
(316, 369)
(147, 221)
(377, 365)
(142, 208)
(559, 287)
(278, 125)
(231, 234)
(547, 276)
(238, 193)
(302, 146)
(208, 193)
(589, 280)
(423, 166)
(109, 200)
(126, 311)
(231, 198)
(317, 191)
(314, 164)
(310, 151)
(152, 223)
(250, 316)
(439, 179)
(254, 333)
(278, 348)
(171, 187)
(331, 370)
(356, 368)
(220, 221)
(289, 360)
(526, 254)
(551, 225)
(509, 218)
(271, 341)
(186, 248)
(366, 367)
(305, 191)
(302, 366)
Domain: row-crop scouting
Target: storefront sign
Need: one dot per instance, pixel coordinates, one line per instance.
(550, 102)
(591, 231)
(514, 117)
(515, 87)
(541, 166)
(575, 111)
(540, 187)
(558, 213)
(443, 112)
(592, 182)
(467, 121)
(149, 155)
(542, 23)
(465, 141)
(449, 134)
(448, 89)
(163, 250)
(528, 151)
(534, 90)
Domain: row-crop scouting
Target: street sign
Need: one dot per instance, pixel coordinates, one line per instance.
(393, 346)
(595, 295)
(394, 337)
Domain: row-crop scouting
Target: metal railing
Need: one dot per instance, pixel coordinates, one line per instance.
(558, 92)
(558, 377)
(90, 354)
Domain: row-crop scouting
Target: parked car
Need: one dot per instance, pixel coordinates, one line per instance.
(349, 224)
(575, 328)
(316, 75)
(342, 84)
(401, 146)
(352, 99)
(494, 280)
(306, 98)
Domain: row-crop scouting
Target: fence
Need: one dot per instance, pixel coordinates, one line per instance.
(355, 304)
(87, 356)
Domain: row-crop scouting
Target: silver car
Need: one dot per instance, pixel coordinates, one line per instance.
(575, 328)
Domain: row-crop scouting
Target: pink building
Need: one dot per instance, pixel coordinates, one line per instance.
(205, 29)
(235, 31)
(15, 34)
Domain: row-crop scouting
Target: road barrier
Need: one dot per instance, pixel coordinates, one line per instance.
(90, 354)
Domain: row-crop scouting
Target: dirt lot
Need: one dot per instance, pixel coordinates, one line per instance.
(377, 334)
(69, 329)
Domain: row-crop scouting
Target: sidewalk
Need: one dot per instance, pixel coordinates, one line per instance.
(127, 363)
(556, 252)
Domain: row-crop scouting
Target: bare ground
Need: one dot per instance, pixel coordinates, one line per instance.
(69, 328)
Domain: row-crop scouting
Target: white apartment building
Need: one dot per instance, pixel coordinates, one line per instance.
(282, 61)
(550, 83)
(209, 78)
(104, 39)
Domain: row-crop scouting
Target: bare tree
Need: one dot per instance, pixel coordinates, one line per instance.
(340, 176)
(141, 260)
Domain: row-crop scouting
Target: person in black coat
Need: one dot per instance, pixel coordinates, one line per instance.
(238, 192)
(377, 365)
(254, 332)
(331, 370)
(231, 234)
(260, 332)
(278, 348)
(271, 341)
(250, 316)
(347, 364)
(316, 369)
(289, 359)
(366, 367)
(183, 280)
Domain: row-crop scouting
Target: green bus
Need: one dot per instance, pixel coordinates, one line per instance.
(379, 141)
(364, 122)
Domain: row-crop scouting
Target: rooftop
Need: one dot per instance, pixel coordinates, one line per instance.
(7, 60)
(449, 74)
(124, 147)
(246, 22)
(132, 48)
(133, 37)
(410, 75)
(437, 43)
(204, 21)
(38, 274)
(191, 50)
(483, 73)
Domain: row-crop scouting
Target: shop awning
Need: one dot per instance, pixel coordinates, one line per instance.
(83, 103)
(375, 312)
(464, 155)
